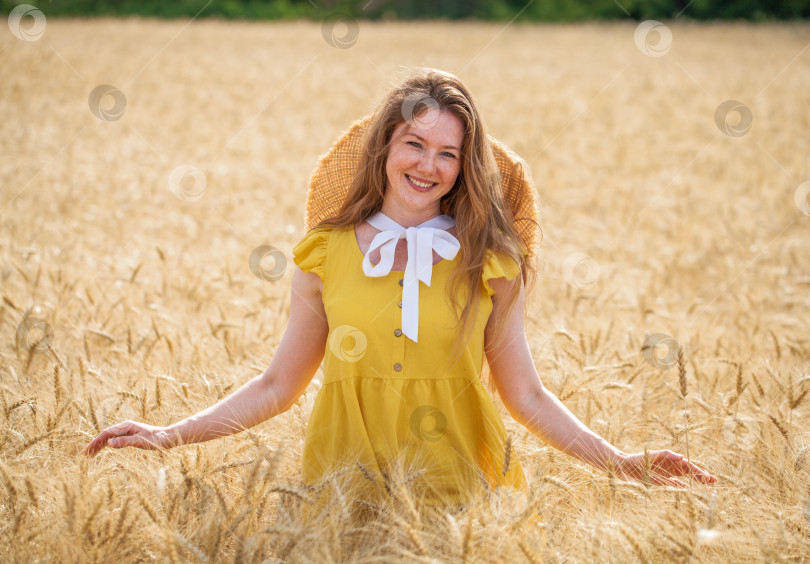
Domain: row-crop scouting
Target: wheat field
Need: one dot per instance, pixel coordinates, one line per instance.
(127, 222)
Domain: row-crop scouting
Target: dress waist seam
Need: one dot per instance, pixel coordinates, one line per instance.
(360, 377)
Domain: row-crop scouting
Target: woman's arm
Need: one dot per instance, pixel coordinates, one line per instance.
(537, 409)
(298, 356)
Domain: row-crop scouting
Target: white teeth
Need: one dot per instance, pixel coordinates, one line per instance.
(420, 184)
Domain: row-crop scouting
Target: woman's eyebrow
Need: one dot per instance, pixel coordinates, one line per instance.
(423, 139)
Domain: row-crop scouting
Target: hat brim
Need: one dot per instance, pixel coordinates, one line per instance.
(331, 179)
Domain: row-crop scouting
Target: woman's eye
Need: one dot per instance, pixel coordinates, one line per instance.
(414, 143)
(451, 155)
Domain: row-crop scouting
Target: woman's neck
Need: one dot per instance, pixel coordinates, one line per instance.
(409, 219)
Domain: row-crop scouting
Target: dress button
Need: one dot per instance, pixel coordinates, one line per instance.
(397, 367)
(397, 332)
(399, 303)
(400, 281)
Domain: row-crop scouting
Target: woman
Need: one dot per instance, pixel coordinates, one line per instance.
(383, 289)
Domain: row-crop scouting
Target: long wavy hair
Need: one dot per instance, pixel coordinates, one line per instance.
(484, 222)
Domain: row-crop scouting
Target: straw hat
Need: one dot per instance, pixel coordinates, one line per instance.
(330, 182)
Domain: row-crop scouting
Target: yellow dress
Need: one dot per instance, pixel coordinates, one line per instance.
(386, 399)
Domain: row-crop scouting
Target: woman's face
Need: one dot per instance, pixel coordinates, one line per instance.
(422, 166)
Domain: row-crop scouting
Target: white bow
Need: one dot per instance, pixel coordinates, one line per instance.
(422, 241)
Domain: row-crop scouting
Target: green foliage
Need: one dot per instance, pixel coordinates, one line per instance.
(536, 10)
(231, 9)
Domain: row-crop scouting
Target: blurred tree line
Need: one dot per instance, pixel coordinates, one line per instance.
(538, 10)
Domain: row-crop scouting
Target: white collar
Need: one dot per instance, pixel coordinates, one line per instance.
(423, 239)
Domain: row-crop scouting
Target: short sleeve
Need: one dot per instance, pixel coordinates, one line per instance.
(310, 253)
(499, 265)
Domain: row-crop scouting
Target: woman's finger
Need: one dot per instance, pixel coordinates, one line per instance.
(103, 439)
(674, 464)
(97, 444)
(701, 475)
(689, 468)
(90, 450)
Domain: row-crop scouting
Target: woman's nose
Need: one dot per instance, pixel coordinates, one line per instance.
(427, 162)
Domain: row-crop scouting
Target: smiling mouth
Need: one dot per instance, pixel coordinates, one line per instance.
(419, 184)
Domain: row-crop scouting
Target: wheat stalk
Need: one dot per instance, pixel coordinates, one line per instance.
(776, 346)
(91, 517)
(70, 507)
(9, 483)
(406, 498)
(782, 430)
(646, 473)
(4, 400)
(158, 398)
(634, 543)
(507, 455)
(34, 440)
(456, 532)
(10, 303)
(684, 391)
(57, 386)
(150, 510)
(414, 534)
(797, 401)
(466, 543)
(29, 486)
(739, 388)
(529, 553)
(287, 490)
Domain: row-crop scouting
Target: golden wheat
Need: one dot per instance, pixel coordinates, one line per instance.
(156, 314)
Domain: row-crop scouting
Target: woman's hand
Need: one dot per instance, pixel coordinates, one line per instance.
(664, 468)
(297, 358)
(540, 411)
(131, 433)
